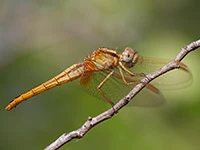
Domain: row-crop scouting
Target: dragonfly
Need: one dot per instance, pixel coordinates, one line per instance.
(106, 74)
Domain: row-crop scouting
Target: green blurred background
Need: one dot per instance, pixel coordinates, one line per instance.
(39, 39)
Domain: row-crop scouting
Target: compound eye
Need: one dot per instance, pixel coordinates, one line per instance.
(128, 54)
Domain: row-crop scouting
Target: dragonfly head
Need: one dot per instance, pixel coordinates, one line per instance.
(129, 56)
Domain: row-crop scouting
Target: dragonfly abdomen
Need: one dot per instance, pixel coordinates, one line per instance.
(67, 75)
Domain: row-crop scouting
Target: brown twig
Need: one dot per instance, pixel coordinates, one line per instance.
(91, 122)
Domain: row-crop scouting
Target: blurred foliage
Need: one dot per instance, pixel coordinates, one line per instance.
(39, 39)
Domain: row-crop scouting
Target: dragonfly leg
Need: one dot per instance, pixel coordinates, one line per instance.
(134, 82)
(123, 78)
(182, 66)
(101, 84)
(129, 72)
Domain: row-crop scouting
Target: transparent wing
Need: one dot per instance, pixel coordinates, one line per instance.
(175, 79)
(115, 89)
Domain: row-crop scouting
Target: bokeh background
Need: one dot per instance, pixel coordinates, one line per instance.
(39, 39)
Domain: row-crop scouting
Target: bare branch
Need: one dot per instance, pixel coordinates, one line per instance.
(91, 122)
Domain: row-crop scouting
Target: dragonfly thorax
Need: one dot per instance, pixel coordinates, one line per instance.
(102, 59)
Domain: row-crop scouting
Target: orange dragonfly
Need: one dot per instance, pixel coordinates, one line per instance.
(105, 72)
